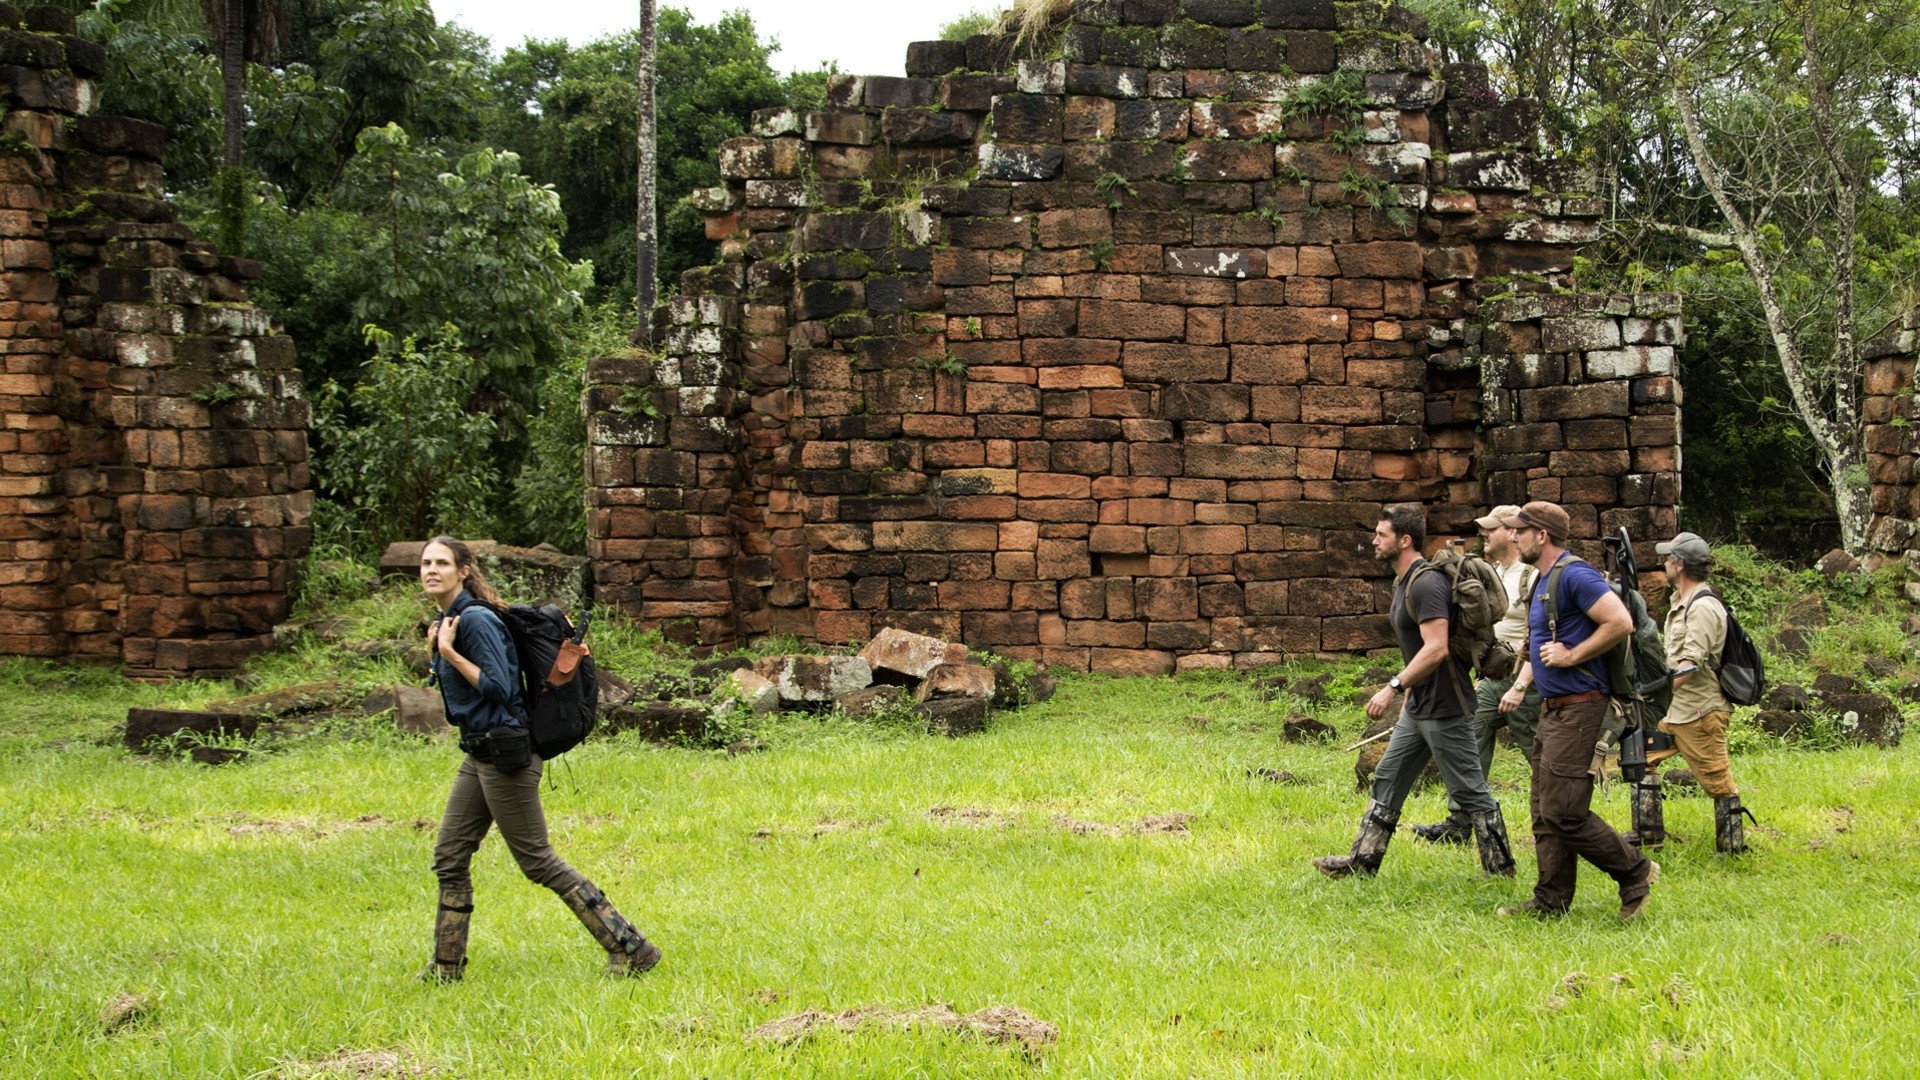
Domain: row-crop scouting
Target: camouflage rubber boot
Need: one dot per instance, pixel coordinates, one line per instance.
(1490, 834)
(1457, 829)
(1729, 832)
(628, 951)
(449, 961)
(1649, 816)
(1369, 847)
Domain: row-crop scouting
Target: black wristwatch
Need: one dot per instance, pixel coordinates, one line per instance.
(1394, 683)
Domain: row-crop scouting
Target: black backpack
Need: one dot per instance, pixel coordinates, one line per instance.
(1740, 670)
(559, 689)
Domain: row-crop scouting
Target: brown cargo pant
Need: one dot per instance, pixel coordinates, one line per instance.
(483, 796)
(1565, 828)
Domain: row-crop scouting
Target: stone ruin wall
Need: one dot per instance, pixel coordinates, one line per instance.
(1112, 358)
(1891, 413)
(154, 493)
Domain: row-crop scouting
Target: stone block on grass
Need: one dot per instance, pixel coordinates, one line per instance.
(147, 727)
(955, 716)
(812, 680)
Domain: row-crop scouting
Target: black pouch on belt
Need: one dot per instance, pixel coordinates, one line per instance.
(511, 747)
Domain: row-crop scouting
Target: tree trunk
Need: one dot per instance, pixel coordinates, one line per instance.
(646, 263)
(233, 81)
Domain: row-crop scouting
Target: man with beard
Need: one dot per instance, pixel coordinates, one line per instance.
(1575, 618)
(1496, 543)
(1434, 722)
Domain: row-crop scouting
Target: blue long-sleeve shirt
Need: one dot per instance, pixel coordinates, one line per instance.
(483, 639)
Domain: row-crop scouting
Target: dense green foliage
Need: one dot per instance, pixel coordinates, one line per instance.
(849, 864)
(401, 176)
(1806, 113)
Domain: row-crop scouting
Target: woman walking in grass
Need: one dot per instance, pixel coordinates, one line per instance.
(478, 672)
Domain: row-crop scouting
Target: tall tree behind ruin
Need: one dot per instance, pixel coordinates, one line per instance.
(646, 268)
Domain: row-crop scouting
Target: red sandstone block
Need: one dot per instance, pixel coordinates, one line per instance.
(1043, 352)
(1166, 599)
(1282, 365)
(1340, 405)
(1018, 535)
(1084, 598)
(1356, 633)
(1059, 560)
(1206, 326)
(829, 595)
(1084, 376)
(1074, 228)
(1002, 398)
(929, 536)
(1091, 458)
(1158, 512)
(1132, 321)
(1223, 461)
(1257, 325)
(1034, 485)
(1309, 291)
(1122, 635)
(1060, 510)
(842, 627)
(1118, 540)
(1155, 459)
(1379, 259)
(937, 427)
(974, 595)
(1175, 363)
(980, 507)
(1213, 539)
(1130, 661)
(1120, 600)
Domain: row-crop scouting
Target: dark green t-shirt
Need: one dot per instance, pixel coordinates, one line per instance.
(1437, 696)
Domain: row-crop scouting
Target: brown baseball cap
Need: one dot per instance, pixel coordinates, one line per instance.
(1544, 515)
(1496, 517)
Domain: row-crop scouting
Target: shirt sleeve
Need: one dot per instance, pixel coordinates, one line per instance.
(1430, 596)
(1706, 633)
(483, 640)
(1584, 585)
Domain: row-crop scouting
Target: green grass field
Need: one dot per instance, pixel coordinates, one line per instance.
(272, 914)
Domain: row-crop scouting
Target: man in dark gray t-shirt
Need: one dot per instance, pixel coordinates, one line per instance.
(1435, 721)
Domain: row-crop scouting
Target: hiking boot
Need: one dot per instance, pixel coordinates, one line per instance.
(1457, 829)
(628, 951)
(449, 961)
(1490, 835)
(1534, 908)
(1649, 816)
(1729, 832)
(1631, 909)
(1369, 847)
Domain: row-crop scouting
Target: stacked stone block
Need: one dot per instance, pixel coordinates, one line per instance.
(153, 457)
(1109, 351)
(1892, 418)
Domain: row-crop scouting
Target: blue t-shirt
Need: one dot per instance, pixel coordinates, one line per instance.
(1581, 586)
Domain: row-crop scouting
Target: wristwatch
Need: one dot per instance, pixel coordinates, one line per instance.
(1393, 683)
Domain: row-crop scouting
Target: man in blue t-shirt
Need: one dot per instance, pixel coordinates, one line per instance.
(1437, 719)
(1568, 636)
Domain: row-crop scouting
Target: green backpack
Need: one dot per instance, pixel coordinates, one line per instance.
(1476, 600)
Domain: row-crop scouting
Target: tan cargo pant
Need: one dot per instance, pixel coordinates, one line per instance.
(1703, 743)
(484, 796)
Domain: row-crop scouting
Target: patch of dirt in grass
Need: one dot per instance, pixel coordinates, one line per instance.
(316, 828)
(1840, 819)
(768, 995)
(1839, 939)
(1166, 823)
(819, 828)
(1276, 776)
(379, 1064)
(1152, 823)
(968, 815)
(996, 1023)
(125, 1010)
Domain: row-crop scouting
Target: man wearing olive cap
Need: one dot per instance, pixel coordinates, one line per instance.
(1575, 618)
(1496, 543)
(1697, 719)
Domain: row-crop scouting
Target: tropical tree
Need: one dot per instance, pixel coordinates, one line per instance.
(646, 271)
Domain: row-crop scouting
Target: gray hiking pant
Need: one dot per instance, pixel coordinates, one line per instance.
(1449, 743)
(484, 796)
(1488, 720)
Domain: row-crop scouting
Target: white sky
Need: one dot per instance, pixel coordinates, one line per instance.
(864, 37)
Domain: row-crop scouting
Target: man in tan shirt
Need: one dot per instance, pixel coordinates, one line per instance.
(1696, 634)
(1496, 543)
